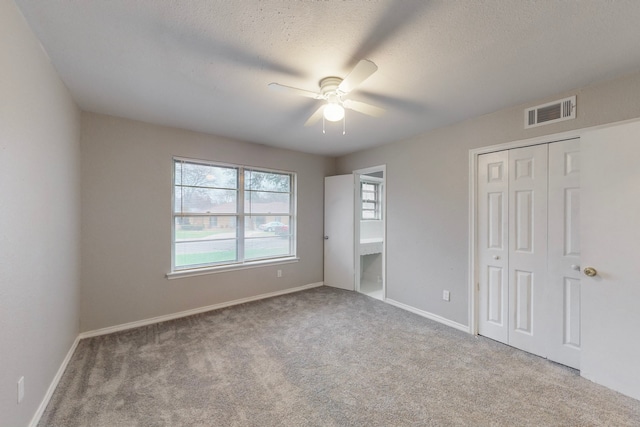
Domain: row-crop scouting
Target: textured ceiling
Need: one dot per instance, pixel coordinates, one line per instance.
(205, 65)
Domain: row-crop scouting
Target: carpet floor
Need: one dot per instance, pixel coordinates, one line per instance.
(322, 357)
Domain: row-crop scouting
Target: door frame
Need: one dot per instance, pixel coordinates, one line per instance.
(356, 229)
(472, 277)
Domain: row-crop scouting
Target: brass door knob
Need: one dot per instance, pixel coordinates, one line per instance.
(590, 271)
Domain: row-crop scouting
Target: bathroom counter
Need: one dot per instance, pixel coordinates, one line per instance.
(371, 246)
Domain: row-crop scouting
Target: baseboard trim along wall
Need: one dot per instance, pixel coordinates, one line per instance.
(428, 315)
(54, 384)
(166, 317)
(104, 331)
(111, 329)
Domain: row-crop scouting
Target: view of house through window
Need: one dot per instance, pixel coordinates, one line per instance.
(230, 214)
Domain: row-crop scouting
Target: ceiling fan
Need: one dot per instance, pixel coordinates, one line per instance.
(334, 91)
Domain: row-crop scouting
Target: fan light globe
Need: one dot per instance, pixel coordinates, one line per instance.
(333, 112)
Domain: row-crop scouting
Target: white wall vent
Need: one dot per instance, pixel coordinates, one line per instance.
(551, 112)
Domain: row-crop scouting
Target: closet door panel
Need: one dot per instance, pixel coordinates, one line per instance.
(570, 321)
(494, 301)
(492, 245)
(524, 303)
(527, 193)
(564, 290)
(524, 221)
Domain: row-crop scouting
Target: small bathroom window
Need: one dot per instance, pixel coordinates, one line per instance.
(370, 196)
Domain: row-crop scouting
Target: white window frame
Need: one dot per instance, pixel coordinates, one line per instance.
(240, 216)
(377, 202)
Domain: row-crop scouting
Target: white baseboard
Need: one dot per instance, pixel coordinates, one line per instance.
(164, 318)
(111, 329)
(430, 316)
(54, 384)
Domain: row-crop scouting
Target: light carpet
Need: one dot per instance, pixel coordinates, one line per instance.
(322, 357)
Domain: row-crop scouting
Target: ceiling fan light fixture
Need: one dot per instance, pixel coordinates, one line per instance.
(332, 91)
(333, 112)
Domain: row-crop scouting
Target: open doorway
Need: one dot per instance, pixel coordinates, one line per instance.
(370, 220)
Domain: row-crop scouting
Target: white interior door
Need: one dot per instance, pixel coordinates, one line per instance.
(563, 290)
(528, 174)
(610, 232)
(493, 245)
(339, 231)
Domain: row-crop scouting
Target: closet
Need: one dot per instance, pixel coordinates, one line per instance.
(528, 211)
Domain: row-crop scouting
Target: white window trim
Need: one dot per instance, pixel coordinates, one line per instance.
(378, 202)
(237, 265)
(179, 274)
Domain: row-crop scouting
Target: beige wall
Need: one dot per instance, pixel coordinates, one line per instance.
(47, 148)
(427, 192)
(126, 221)
(39, 219)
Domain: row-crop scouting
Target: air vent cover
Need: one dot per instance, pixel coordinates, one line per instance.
(556, 111)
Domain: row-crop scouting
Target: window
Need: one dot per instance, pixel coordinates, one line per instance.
(370, 197)
(230, 215)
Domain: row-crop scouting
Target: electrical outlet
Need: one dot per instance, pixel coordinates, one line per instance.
(446, 296)
(20, 389)
(279, 273)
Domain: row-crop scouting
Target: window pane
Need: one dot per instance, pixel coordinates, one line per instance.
(368, 196)
(369, 205)
(266, 247)
(263, 202)
(267, 181)
(266, 226)
(205, 227)
(368, 187)
(205, 252)
(205, 200)
(368, 215)
(177, 180)
(205, 175)
(206, 220)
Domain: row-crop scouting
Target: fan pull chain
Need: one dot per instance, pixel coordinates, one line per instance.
(323, 132)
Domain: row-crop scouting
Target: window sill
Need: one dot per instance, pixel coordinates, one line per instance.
(224, 268)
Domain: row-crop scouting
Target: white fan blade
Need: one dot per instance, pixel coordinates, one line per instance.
(294, 91)
(360, 73)
(315, 116)
(364, 108)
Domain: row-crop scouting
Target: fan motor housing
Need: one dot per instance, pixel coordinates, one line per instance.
(329, 84)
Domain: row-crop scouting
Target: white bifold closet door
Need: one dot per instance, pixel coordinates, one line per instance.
(564, 288)
(493, 245)
(527, 246)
